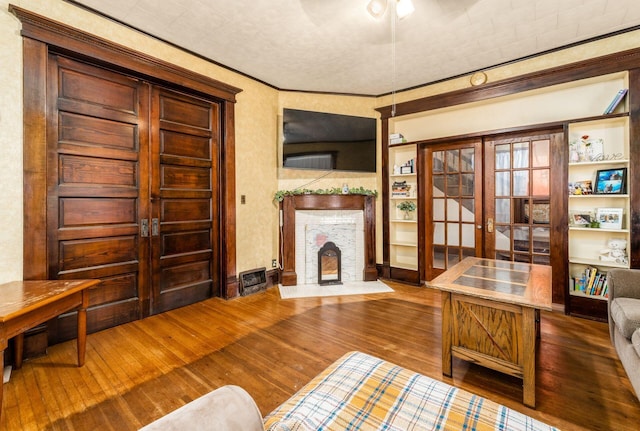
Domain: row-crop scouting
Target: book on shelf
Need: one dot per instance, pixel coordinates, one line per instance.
(400, 189)
(396, 138)
(616, 101)
(591, 282)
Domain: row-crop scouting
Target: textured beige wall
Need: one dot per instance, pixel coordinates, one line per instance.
(11, 144)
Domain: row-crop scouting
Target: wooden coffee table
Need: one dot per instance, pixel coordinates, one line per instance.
(490, 316)
(25, 304)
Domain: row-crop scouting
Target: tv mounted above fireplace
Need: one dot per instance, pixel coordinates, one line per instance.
(325, 141)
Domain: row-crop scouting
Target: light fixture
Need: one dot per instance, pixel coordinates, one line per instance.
(401, 9)
(377, 8)
(404, 8)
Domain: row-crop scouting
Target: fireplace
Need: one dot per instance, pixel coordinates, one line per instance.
(293, 258)
(329, 264)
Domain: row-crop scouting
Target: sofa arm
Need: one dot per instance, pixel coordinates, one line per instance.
(624, 283)
(228, 408)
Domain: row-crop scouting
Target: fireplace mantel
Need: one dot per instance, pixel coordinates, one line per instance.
(291, 204)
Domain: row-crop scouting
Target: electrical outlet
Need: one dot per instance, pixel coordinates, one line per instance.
(274, 263)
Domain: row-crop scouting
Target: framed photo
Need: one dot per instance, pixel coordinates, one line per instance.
(609, 218)
(581, 188)
(611, 181)
(406, 169)
(580, 218)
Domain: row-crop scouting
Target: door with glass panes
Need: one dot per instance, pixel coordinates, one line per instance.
(453, 196)
(505, 213)
(518, 221)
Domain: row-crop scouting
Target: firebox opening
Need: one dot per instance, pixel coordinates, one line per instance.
(329, 264)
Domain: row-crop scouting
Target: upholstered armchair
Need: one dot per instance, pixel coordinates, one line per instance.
(624, 320)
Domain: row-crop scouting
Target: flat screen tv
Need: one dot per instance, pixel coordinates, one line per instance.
(323, 141)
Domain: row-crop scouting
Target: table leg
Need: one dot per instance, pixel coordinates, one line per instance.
(82, 327)
(529, 356)
(18, 344)
(446, 334)
(1, 383)
(3, 346)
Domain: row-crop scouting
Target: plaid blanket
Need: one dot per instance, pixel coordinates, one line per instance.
(361, 392)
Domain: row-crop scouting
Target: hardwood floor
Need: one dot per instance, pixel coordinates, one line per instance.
(137, 372)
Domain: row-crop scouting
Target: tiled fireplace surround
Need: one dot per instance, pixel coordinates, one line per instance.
(339, 210)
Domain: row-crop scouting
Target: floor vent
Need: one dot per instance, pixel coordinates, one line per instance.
(253, 281)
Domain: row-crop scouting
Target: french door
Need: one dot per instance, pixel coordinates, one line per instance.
(453, 196)
(518, 216)
(492, 197)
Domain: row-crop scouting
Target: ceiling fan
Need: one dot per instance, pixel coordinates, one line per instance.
(403, 8)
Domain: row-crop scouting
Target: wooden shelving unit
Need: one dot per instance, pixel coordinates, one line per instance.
(587, 243)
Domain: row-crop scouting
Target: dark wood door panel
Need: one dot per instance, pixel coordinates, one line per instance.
(107, 316)
(94, 252)
(185, 178)
(186, 243)
(185, 145)
(185, 110)
(82, 130)
(98, 188)
(184, 280)
(184, 252)
(185, 274)
(90, 170)
(182, 210)
(78, 212)
(106, 90)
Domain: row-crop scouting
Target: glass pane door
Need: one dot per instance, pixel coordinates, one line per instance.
(453, 205)
(517, 221)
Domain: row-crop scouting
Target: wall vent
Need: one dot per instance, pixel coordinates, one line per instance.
(253, 281)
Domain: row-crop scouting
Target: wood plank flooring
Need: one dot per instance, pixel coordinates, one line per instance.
(139, 371)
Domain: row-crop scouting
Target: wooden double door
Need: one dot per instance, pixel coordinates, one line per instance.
(132, 192)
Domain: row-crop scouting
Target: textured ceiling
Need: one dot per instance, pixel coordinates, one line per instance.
(335, 46)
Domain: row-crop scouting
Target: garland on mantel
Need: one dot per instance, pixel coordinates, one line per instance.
(280, 194)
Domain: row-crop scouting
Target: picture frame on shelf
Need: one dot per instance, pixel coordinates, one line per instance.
(580, 218)
(611, 181)
(581, 187)
(404, 170)
(609, 218)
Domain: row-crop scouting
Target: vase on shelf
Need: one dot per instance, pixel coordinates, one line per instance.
(408, 207)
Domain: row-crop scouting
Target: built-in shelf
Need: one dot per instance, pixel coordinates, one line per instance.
(403, 233)
(584, 295)
(587, 244)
